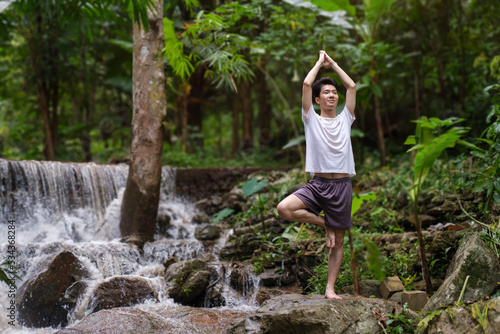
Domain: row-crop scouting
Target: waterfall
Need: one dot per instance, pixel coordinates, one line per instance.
(76, 207)
(54, 201)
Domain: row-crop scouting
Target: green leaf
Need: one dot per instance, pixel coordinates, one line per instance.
(357, 200)
(374, 9)
(226, 212)
(292, 233)
(425, 158)
(335, 5)
(411, 140)
(253, 186)
(376, 89)
(294, 142)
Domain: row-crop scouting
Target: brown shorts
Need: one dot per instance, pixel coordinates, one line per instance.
(332, 196)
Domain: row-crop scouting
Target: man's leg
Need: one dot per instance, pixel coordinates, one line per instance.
(292, 208)
(334, 262)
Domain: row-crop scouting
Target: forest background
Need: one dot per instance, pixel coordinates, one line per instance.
(234, 73)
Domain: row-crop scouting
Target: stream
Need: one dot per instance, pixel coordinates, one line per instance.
(54, 206)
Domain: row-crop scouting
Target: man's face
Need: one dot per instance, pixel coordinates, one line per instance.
(328, 97)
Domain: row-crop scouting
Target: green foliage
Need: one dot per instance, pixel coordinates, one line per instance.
(253, 186)
(400, 323)
(489, 179)
(316, 284)
(401, 262)
(293, 232)
(358, 199)
(429, 147)
(491, 236)
(8, 269)
(221, 215)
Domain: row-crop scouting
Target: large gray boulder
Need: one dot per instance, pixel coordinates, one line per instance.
(316, 315)
(472, 259)
(187, 280)
(121, 291)
(47, 299)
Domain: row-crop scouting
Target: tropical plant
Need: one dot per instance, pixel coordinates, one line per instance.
(489, 179)
(432, 137)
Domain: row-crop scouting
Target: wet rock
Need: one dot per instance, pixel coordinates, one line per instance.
(471, 259)
(267, 293)
(273, 277)
(315, 315)
(187, 280)
(241, 278)
(121, 291)
(47, 299)
(207, 232)
(240, 248)
(200, 218)
(163, 220)
(176, 319)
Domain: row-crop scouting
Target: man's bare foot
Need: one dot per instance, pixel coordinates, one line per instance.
(331, 295)
(330, 238)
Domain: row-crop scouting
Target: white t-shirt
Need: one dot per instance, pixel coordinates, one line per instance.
(328, 142)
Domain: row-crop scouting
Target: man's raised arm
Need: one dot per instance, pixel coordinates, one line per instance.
(349, 84)
(309, 80)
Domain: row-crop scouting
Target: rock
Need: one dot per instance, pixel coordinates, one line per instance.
(443, 210)
(493, 307)
(416, 300)
(474, 259)
(396, 297)
(425, 221)
(435, 281)
(390, 286)
(240, 248)
(187, 280)
(478, 318)
(163, 219)
(460, 322)
(241, 279)
(176, 319)
(368, 288)
(207, 232)
(121, 291)
(269, 278)
(200, 218)
(266, 293)
(47, 299)
(315, 315)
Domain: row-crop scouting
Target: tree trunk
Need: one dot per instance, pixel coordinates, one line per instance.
(378, 116)
(140, 200)
(380, 130)
(247, 117)
(236, 126)
(264, 98)
(416, 88)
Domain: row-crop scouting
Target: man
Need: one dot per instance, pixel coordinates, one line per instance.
(330, 161)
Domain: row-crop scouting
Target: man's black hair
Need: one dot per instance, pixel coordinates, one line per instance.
(316, 87)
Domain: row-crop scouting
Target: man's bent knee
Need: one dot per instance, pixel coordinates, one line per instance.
(283, 210)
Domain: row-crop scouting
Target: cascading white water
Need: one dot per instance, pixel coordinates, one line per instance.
(76, 207)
